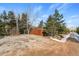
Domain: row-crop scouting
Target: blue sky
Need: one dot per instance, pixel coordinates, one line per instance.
(43, 10)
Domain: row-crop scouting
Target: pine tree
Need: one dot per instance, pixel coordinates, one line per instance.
(77, 30)
(11, 17)
(1, 27)
(4, 20)
(23, 23)
(12, 22)
(55, 23)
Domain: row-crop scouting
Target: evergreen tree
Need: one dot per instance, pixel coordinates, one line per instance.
(11, 17)
(11, 22)
(77, 30)
(1, 27)
(4, 15)
(4, 19)
(23, 23)
(55, 23)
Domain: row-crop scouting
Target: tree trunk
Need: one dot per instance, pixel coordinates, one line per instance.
(17, 26)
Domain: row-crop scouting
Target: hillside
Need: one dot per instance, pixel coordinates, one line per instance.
(36, 45)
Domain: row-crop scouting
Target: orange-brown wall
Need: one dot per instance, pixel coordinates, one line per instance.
(37, 31)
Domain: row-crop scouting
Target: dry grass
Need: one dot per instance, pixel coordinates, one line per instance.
(36, 46)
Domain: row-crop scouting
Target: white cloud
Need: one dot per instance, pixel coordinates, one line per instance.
(69, 21)
(53, 6)
(2, 8)
(10, 9)
(37, 9)
(58, 6)
(72, 22)
(74, 16)
(62, 6)
(45, 16)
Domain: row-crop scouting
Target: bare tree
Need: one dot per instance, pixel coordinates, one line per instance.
(31, 18)
(17, 23)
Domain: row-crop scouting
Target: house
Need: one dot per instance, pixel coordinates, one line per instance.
(39, 31)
